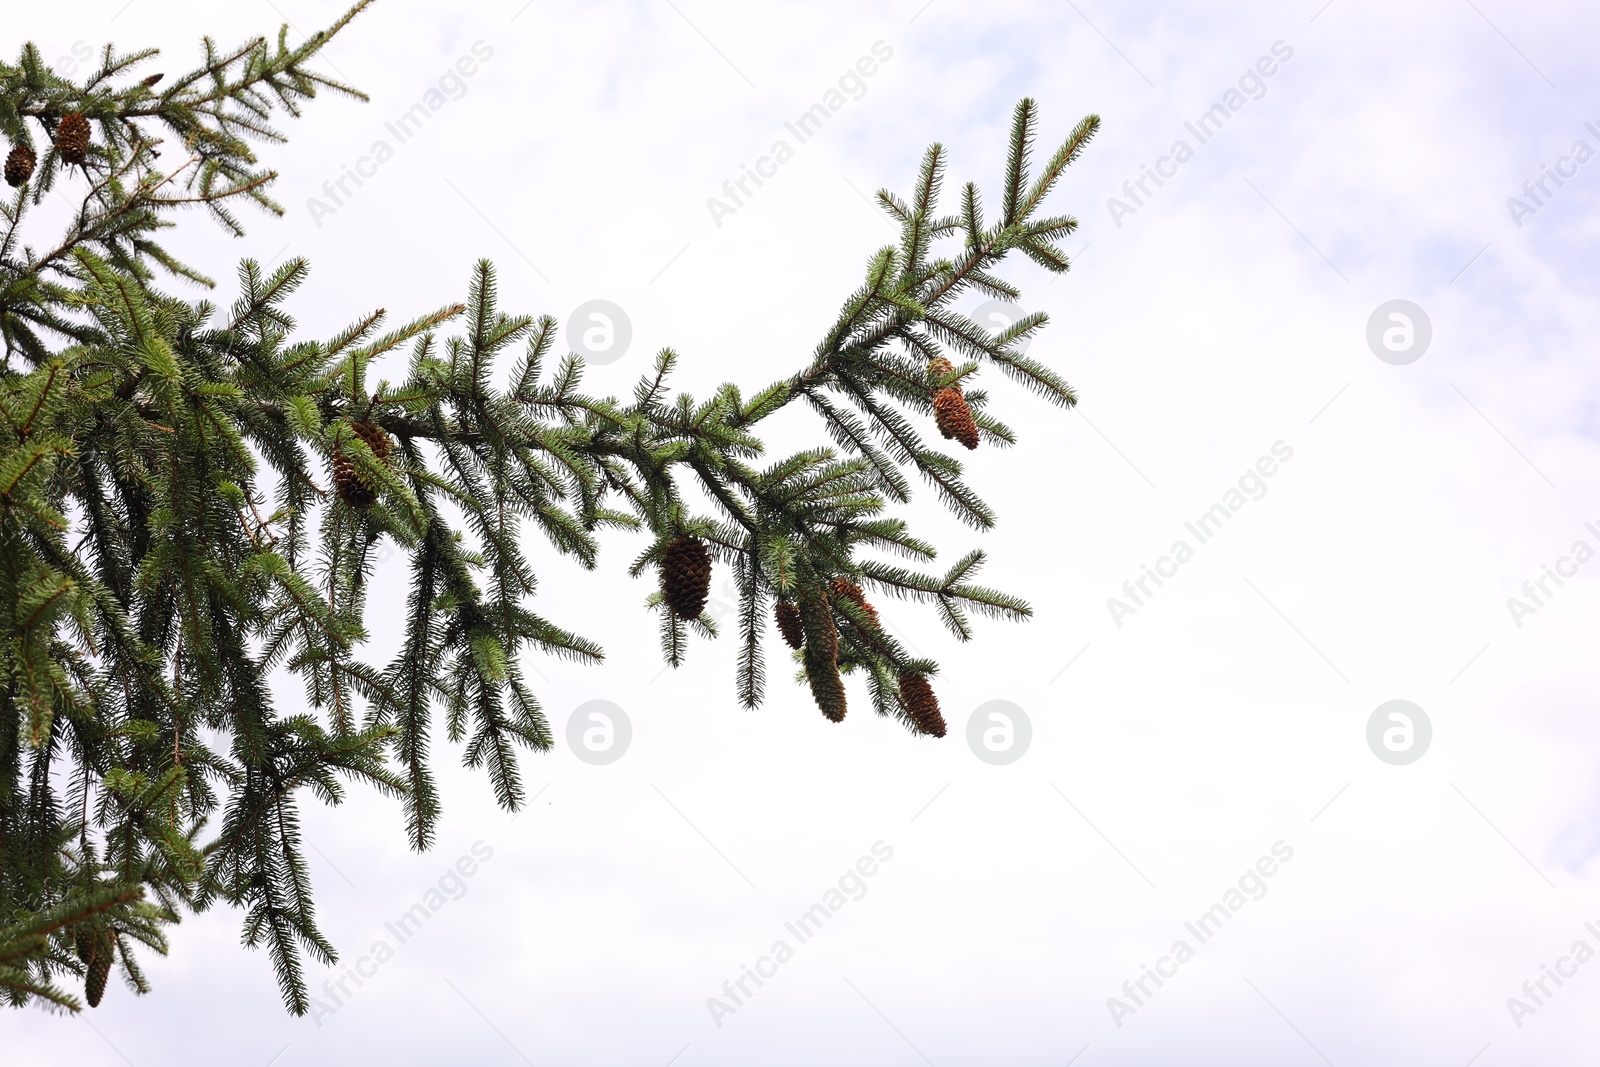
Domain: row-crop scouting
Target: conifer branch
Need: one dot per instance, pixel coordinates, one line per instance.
(193, 502)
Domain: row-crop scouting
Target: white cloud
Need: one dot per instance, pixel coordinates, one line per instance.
(1207, 728)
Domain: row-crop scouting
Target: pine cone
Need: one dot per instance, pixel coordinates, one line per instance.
(921, 705)
(355, 490)
(375, 438)
(94, 986)
(940, 368)
(347, 480)
(686, 576)
(72, 139)
(851, 591)
(789, 623)
(821, 656)
(954, 417)
(98, 966)
(19, 164)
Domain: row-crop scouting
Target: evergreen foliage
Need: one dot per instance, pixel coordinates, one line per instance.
(192, 497)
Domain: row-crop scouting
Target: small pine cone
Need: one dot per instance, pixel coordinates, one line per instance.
(72, 139)
(19, 164)
(686, 576)
(789, 623)
(821, 656)
(355, 490)
(954, 417)
(347, 480)
(94, 985)
(921, 705)
(851, 591)
(940, 368)
(97, 965)
(376, 439)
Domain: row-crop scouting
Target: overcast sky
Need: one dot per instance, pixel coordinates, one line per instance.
(1184, 743)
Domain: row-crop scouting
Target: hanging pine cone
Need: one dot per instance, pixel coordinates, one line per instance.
(348, 482)
(939, 369)
(96, 962)
(19, 164)
(921, 705)
(821, 656)
(686, 576)
(851, 591)
(353, 489)
(94, 986)
(954, 417)
(72, 139)
(789, 623)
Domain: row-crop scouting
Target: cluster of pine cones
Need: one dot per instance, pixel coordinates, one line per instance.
(352, 488)
(950, 409)
(72, 142)
(806, 624)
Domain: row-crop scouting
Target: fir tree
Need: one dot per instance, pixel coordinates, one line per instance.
(192, 499)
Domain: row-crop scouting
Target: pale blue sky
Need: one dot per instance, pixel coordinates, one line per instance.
(1227, 714)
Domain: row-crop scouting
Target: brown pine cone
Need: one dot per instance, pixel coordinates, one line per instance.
(939, 369)
(954, 417)
(375, 438)
(353, 489)
(347, 480)
(821, 656)
(19, 164)
(72, 139)
(84, 935)
(851, 591)
(789, 623)
(920, 704)
(686, 576)
(94, 985)
(96, 962)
